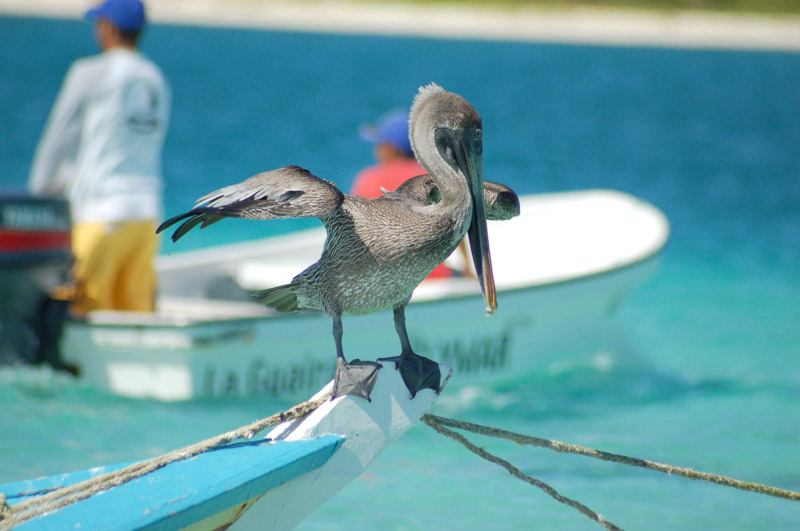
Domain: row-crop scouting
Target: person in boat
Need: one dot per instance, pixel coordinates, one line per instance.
(101, 149)
(392, 150)
(395, 165)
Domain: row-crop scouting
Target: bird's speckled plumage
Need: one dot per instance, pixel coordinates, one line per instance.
(377, 250)
(502, 203)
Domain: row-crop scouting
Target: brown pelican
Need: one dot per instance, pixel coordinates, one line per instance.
(378, 250)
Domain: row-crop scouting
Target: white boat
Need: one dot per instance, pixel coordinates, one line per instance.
(562, 268)
(265, 483)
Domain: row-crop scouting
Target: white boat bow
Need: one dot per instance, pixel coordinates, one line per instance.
(269, 483)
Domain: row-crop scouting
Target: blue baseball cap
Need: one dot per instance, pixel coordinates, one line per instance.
(127, 15)
(392, 129)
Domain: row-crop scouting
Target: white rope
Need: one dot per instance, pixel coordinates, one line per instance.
(438, 423)
(431, 420)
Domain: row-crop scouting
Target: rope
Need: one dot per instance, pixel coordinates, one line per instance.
(53, 500)
(431, 421)
(616, 458)
(56, 499)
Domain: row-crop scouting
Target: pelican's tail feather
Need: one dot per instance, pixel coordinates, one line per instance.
(282, 298)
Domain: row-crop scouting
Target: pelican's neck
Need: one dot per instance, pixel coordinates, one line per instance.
(426, 116)
(456, 201)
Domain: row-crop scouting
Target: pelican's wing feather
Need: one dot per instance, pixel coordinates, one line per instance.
(420, 189)
(290, 192)
(500, 201)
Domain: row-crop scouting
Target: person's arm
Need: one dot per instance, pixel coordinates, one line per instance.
(58, 146)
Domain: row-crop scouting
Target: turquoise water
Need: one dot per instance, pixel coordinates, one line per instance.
(710, 374)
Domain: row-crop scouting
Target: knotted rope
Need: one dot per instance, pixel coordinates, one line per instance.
(49, 501)
(439, 424)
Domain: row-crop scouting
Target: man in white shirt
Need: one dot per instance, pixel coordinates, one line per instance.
(101, 149)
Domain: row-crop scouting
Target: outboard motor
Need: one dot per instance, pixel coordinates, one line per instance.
(35, 258)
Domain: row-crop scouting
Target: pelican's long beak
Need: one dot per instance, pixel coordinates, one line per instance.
(469, 159)
(479, 242)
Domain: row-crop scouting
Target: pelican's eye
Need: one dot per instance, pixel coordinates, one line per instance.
(478, 134)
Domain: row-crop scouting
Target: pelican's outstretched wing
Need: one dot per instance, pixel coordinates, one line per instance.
(500, 201)
(290, 192)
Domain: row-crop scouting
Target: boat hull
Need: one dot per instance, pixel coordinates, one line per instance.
(562, 269)
(289, 355)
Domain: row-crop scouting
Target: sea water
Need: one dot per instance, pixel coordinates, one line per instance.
(709, 377)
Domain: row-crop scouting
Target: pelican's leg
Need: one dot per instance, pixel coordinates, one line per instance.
(355, 378)
(418, 372)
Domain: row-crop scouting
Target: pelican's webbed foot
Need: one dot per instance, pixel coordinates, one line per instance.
(356, 378)
(418, 372)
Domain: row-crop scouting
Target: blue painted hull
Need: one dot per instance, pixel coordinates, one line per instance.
(212, 488)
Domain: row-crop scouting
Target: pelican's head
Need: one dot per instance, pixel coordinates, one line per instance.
(447, 137)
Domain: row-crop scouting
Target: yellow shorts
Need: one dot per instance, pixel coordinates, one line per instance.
(114, 267)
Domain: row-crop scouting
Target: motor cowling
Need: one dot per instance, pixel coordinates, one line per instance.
(35, 259)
